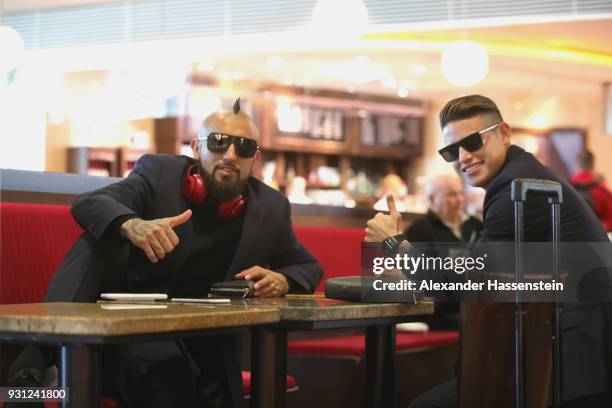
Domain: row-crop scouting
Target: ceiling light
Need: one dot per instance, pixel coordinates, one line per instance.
(347, 19)
(11, 49)
(464, 63)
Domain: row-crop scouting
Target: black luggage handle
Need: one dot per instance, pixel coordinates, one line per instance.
(552, 189)
(521, 186)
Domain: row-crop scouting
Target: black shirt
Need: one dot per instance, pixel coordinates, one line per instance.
(212, 250)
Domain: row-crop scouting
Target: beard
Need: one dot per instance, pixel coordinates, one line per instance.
(224, 190)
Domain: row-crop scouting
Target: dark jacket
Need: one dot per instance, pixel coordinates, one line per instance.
(585, 326)
(431, 229)
(98, 261)
(154, 190)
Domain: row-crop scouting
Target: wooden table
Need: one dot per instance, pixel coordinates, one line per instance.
(269, 344)
(79, 329)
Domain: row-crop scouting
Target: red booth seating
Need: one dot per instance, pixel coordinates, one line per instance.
(34, 238)
(355, 345)
(338, 250)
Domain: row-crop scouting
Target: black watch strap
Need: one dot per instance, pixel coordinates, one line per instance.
(391, 244)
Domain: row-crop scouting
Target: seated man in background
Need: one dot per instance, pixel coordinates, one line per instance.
(177, 225)
(594, 191)
(480, 150)
(445, 222)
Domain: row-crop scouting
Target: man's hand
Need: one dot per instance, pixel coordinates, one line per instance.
(383, 226)
(155, 237)
(267, 283)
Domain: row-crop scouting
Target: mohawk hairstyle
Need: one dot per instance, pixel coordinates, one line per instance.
(237, 106)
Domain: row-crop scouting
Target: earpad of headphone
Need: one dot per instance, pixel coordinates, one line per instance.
(194, 188)
(231, 208)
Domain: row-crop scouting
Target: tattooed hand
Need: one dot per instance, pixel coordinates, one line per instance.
(156, 237)
(267, 283)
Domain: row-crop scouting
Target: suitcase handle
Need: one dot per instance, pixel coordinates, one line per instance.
(521, 186)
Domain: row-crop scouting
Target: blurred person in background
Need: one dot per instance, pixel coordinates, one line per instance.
(394, 185)
(592, 188)
(446, 220)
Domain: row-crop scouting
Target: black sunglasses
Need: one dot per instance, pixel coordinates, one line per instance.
(471, 143)
(220, 142)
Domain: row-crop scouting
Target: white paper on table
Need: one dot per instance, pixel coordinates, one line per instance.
(134, 296)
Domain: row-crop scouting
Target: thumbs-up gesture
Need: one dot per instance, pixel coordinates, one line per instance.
(155, 237)
(385, 225)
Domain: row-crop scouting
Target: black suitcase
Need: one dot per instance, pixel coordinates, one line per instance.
(553, 190)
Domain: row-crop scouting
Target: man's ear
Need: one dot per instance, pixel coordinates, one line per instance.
(505, 131)
(195, 148)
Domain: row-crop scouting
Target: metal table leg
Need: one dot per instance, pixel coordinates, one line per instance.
(380, 366)
(268, 368)
(79, 372)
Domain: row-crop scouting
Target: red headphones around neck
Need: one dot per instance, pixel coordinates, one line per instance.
(194, 190)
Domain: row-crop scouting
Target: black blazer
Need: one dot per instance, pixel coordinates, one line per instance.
(586, 327)
(154, 190)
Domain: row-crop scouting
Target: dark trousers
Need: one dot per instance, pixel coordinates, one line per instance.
(191, 372)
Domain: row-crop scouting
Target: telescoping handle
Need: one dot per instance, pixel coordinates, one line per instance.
(553, 190)
(522, 186)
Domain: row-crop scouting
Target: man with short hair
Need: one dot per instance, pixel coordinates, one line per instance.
(597, 195)
(478, 147)
(177, 225)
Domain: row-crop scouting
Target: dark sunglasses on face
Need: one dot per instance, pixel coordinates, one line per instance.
(219, 143)
(470, 143)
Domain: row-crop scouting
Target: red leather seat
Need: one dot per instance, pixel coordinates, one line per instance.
(355, 345)
(34, 238)
(246, 384)
(338, 250)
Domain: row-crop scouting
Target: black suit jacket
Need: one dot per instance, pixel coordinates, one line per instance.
(586, 340)
(154, 190)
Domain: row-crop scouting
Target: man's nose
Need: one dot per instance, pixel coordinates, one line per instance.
(464, 155)
(230, 154)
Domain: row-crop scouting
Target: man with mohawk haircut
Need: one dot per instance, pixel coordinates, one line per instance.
(177, 225)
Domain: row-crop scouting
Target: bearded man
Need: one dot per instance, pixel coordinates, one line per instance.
(177, 225)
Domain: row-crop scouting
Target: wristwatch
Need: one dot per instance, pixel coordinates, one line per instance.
(391, 244)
